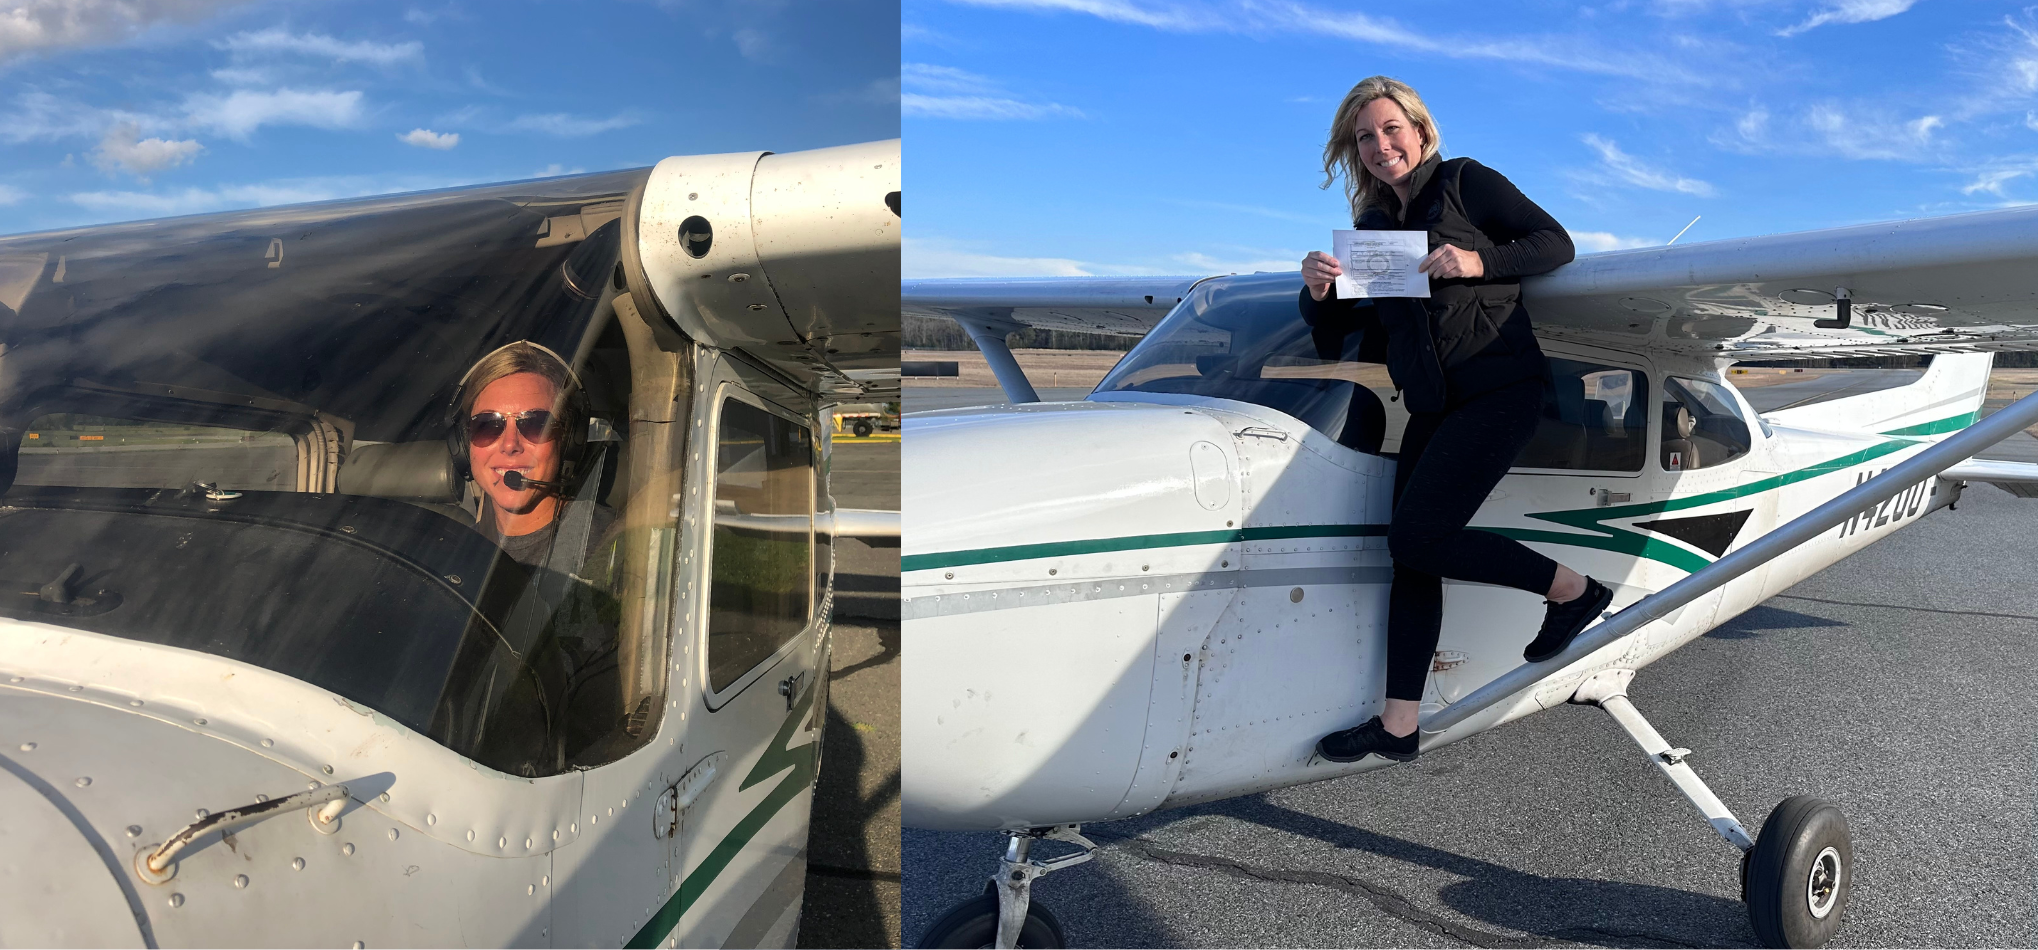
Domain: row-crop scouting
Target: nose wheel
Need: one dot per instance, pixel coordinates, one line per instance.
(1005, 916)
(974, 923)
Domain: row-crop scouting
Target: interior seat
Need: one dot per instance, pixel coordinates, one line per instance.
(1365, 422)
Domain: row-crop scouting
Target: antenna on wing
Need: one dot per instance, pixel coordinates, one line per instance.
(1694, 220)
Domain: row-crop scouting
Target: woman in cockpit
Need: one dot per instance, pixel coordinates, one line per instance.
(1470, 371)
(520, 435)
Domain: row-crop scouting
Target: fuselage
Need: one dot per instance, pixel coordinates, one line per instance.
(1151, 599)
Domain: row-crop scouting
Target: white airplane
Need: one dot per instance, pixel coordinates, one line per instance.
(1165, 593)
(262, 680)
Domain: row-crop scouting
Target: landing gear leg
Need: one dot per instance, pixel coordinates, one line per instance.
(1796, 878)
(1005, 916)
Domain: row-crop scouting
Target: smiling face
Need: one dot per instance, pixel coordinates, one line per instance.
(1390, 146)
(510, 395)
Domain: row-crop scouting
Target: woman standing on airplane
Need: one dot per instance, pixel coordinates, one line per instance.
(1468, 365)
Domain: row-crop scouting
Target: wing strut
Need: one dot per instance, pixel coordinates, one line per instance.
(1010, 377)
(1912, 471)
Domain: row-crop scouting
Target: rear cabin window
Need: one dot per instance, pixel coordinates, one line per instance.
(1702, 425)
(762, 574)
(1595, 418)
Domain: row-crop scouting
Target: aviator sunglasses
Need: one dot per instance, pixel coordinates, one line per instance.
(535, 425)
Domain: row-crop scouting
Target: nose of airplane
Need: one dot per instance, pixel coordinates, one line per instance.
(60, 882)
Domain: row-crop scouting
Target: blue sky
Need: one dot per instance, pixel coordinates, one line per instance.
(1185, 136)
(114, 110)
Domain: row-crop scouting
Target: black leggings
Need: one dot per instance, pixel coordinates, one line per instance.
(1449, 462)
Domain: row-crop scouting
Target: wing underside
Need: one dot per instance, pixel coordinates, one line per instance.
(1960, 283)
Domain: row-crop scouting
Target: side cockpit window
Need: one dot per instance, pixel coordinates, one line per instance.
(108, 452)
(1595, 418)
(1702, 425)
(761, 573)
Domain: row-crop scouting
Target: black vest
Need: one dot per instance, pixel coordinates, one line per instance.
(1469, 336)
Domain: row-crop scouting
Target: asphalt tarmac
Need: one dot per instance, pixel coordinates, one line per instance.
(1896, 683)
(852, 897)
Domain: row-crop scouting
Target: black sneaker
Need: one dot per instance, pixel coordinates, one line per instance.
(1563, 622)
(1372, 738)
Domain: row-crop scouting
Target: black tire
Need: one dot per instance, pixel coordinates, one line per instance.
(862, 430)
(974, 923)
(1802, 863)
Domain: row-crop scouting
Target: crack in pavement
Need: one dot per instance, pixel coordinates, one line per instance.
(1389, 902)
(1926, 610)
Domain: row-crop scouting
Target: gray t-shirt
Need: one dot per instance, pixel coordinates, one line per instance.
(535, 549)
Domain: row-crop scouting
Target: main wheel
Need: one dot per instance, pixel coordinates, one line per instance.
(862, 430)
(1798, 876)
(974, 923)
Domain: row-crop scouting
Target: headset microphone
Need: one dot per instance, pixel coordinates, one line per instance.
(515, 481)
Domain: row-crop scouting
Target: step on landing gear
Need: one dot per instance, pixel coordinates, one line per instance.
(1794, 878)
(1005, 916)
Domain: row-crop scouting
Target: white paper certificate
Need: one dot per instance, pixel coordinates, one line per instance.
(1380, 263)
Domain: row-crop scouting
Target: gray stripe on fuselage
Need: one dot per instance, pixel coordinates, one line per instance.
(1005, 598)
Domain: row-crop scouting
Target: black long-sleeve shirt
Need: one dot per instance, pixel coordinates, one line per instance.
(1471, 334)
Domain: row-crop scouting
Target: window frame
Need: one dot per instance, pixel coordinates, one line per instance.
(1616, 360)
(711, 476)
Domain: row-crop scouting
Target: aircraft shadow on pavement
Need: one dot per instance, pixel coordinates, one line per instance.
(851, 914)
(1552, 909)
(1762, 618)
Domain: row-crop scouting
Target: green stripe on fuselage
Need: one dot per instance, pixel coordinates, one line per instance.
(1948, 424)
(1027, 552)
(776, 757)
(1606, 537)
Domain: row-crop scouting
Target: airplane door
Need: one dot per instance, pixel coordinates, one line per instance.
(741, 809)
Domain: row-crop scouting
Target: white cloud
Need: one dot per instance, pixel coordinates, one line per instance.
(1850, 11)
(2031, 121)
(1874, 135)
(39, 116)
(1633, 171)
(124, 149)
(978, 107)
(1288, 17)
(132, 205)
(754, 44)
(139, 204)
(11, 195)
(278, 40)
(1991, 181)
(33, 26)
(244, 111)
(1247, 264)
(242, 76)
(944, 92)
(919, 257)
(569, 126)
(1607, 241)
(555, 169)
(426, 138)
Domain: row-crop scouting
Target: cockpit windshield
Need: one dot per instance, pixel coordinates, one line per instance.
(251, 434)
(1243, 338)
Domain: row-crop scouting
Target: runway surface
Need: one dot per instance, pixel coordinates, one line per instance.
(852, 897)
(1896, 683)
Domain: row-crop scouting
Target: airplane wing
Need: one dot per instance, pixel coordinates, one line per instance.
(2017, 478)
(1958, 283)
(1124, 306)
(1955, 283)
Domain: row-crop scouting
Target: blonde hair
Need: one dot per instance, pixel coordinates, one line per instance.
(1341, 152)
(522, 356)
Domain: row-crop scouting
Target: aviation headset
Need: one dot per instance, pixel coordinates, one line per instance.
(573, 421)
